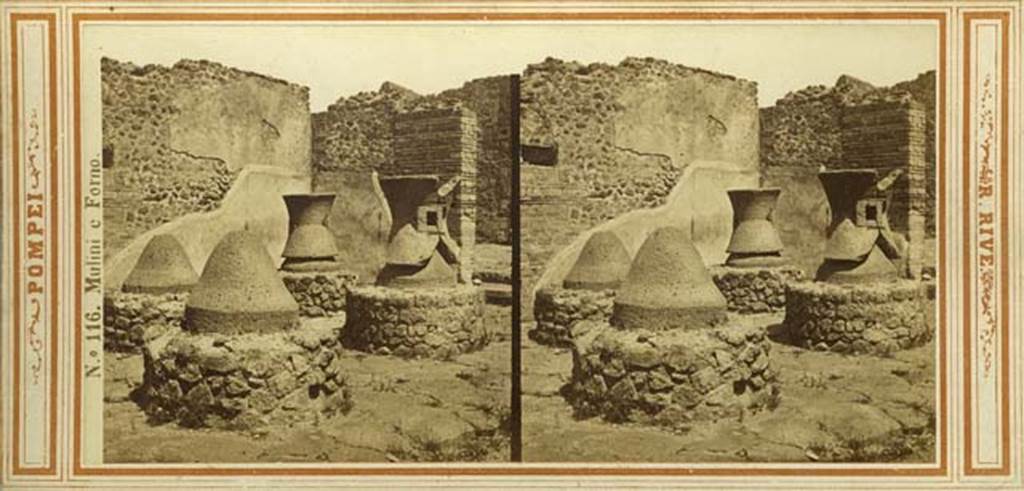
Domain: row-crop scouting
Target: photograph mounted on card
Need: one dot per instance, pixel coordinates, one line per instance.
(556, 244)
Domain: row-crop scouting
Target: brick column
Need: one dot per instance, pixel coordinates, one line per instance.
(886, 135)
(442, 142)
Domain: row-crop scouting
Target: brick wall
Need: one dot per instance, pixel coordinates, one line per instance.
(355, 134)
(442, 142)
(803, 129)
(885, 135)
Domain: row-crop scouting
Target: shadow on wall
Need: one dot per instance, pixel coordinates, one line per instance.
(254, 201)
(698, 204)
(360, 220)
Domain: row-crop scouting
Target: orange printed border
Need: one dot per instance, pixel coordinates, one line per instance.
(16, 294)
(1004, 255)
(941, 17)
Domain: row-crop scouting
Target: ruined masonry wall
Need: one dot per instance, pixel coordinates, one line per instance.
(443, 142)
(755, 290)
(875, 319)
(887, 135)
(132, 319)
(319, 294)
(624, 135)
(414, 323)
(558, 310)
(175, 138)
(689, 376)
(803, 132)
(354, 137)
(240, 383)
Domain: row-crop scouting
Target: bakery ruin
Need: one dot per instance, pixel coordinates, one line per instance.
(670, 230)
(673, 231)
(252, 246)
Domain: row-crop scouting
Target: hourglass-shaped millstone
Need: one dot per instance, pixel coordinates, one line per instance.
(310, 245)
(240, 291)
(163, 267)
(856, 253)
(754, 242)
(668, 287)
(602, 264)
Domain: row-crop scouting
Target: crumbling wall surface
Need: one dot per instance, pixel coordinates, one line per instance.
(803, 133)
(543, 216)
(354, 134)
(802, 129)
(176, 137)
(626, 135)
(354, 137)
(625, 132)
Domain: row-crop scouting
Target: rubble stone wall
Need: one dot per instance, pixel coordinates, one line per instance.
(858, 319)
(175, 138)
(415, 323)
(755, 290)
(319, 294)
(558, 310)
(132, 319)
(672, 378)
(243, 382)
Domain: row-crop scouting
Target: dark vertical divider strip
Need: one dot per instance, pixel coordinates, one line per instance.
(516, 406)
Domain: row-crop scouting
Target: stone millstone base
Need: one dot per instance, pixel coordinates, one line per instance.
(415, 323)
(132, 319)
(755, 290)
(320, 293)
(876, 318)
(245, 381)
(671, 378)
(558, 309)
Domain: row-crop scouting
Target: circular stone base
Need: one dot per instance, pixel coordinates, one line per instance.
(878, 318)
(415, 323)
(319, 294)
(244, 381)
(132, 319)
(557, 310)
(672, 378)
(755, 290)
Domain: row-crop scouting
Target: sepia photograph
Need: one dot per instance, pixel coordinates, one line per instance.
(491, 245)
(305, 261)
(729, 252)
